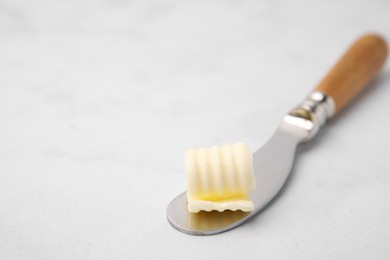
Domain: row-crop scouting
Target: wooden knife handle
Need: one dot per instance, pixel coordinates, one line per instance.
(356, 68)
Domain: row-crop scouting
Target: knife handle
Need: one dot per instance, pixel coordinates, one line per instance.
(356, 68)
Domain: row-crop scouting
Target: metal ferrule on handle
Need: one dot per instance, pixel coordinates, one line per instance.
(311, 114)
(351, 74)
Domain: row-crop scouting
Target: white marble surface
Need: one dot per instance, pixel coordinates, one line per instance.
(99, 100)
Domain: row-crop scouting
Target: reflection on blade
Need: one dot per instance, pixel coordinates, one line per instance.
(202, 223)
(205, 221)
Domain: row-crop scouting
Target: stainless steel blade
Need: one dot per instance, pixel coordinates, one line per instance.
(272, 164)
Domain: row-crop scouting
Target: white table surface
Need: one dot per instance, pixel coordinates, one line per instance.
(100, 99)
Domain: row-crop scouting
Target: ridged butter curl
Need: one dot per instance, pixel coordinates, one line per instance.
(220, 178)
